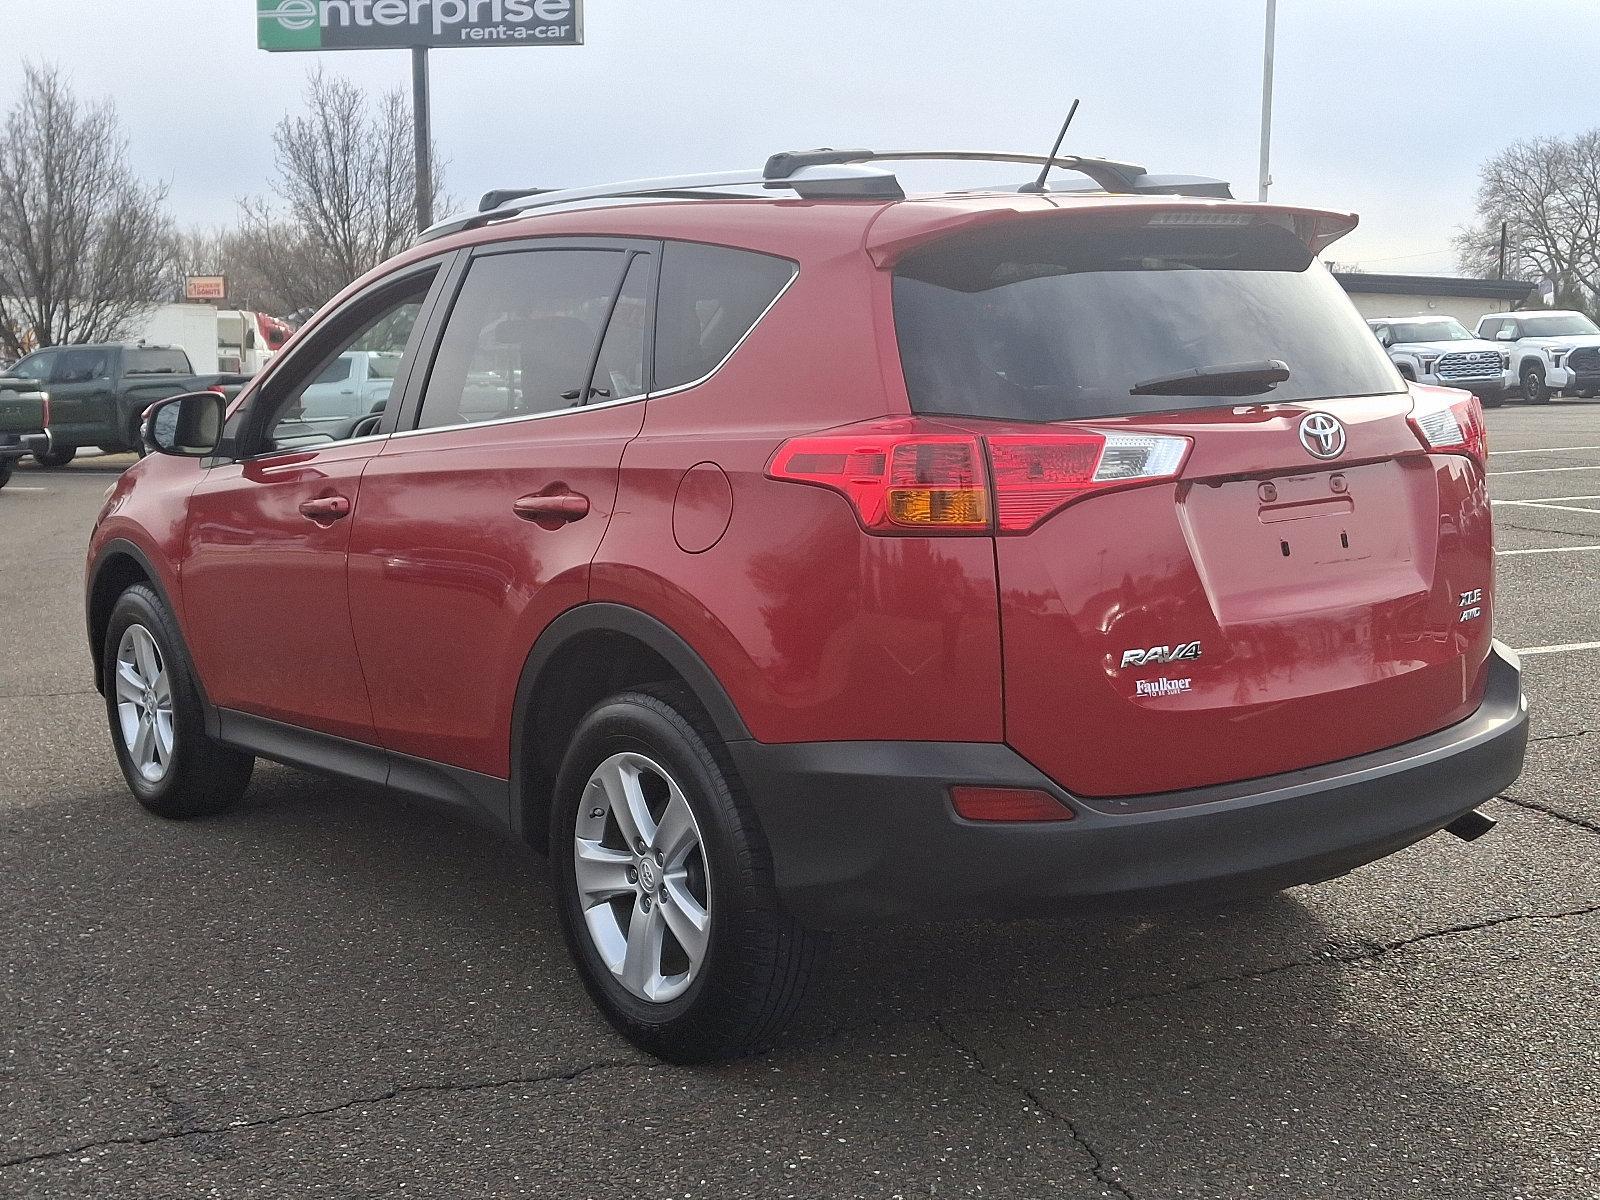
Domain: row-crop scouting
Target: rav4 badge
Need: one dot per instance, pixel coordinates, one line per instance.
(1182, 652)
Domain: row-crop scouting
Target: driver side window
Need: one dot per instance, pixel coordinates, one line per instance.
(343, 391)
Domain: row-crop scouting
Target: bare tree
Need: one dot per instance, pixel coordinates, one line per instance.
(345, 193)
(1546, 192)
(84, 245)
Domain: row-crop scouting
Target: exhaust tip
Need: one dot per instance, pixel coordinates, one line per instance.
(1470, 826)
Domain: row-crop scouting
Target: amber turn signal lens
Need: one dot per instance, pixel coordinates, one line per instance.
(939, 506)
(1008, 804)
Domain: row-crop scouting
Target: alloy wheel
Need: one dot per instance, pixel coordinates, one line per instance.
(144, 704)
(640, 869)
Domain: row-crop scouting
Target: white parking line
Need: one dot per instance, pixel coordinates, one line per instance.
(1547, 499)
(1545, 450)
(27, 489)
(1547, 549)
(1545, 470)
(1565, 648)
(1594, 512)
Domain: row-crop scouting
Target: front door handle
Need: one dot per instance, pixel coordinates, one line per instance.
(561, 506)
(325, 509)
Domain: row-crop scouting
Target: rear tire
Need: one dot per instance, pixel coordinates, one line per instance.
(7, 467)
(55, 457)
(1534, 388)
(754, 960)
(172, 766)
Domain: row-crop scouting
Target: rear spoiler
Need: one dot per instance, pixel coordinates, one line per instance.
(903, 227)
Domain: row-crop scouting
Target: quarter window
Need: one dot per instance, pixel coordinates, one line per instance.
(522, 336)
(710, 297)
(157, 362)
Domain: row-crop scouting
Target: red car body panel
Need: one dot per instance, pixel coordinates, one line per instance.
(269, 608)
(450, 588)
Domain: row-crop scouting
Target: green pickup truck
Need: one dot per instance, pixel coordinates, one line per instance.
(98, 394)
(23, 417)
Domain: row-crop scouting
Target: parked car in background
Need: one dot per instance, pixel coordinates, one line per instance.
(1439, 351)
(777, 566)
(1550, 352)
(98, 393)
(23, 417)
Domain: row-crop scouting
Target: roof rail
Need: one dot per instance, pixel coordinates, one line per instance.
(808, 182)
(1109, 174)
(820, 174)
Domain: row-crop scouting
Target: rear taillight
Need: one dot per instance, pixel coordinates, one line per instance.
(1037, 474)
(905, 476)
(1451, 422)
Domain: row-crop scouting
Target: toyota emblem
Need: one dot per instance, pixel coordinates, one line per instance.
(1322, 435)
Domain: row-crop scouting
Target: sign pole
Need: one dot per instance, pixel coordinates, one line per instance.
(1266, 97)
(422, 122)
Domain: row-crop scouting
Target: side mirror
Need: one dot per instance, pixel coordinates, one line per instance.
(187, 426)
(1506, 335)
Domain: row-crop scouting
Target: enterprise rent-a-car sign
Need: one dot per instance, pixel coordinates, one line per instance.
(377, 24)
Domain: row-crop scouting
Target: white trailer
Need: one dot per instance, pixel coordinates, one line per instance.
(191, 327)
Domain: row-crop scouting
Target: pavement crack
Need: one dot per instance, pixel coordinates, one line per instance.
(1358, 952)
(1558, 814)
(148, 1139)
(1097, 1164)
(1560, 737)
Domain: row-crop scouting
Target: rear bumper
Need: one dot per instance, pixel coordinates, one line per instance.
(865, 830)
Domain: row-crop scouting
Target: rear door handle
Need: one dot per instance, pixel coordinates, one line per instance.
(326, 508)
(562, 506)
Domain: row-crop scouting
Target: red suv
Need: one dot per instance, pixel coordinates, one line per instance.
(779, 551)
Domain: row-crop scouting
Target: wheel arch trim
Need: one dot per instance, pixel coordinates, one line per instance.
(607, 617)
(105, 555)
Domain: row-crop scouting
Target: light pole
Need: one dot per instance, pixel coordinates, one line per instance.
(1266, 98)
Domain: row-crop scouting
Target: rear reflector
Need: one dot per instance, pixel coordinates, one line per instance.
(1007, 804)
(906, 476)
(1450, 421)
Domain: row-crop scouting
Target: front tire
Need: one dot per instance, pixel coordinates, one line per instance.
(7, 467)
(55, 457)
(1534, 388)
(663, 884)
(157, 721)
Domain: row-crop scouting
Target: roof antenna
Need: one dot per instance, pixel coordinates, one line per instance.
(1038, 184)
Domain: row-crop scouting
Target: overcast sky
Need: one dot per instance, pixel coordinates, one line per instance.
(1385, 107)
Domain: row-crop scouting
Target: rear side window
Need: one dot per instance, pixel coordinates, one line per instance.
(1052, 323)
(710, 297)
(81, 366)
(522, 336)
(157, 362)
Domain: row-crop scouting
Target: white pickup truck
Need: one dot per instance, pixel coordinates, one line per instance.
(1550, 352)
(353, 385)
(1440, 351)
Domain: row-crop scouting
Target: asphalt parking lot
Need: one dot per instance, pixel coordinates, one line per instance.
(329, 993)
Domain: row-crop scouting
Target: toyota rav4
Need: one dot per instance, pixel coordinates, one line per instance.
(778, 551)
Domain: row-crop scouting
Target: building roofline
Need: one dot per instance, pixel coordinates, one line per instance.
(1434, 285)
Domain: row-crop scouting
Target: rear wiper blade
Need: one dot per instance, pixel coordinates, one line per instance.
(1223, 379)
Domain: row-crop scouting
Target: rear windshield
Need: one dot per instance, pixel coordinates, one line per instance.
(157, 362)
(1052, 324)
